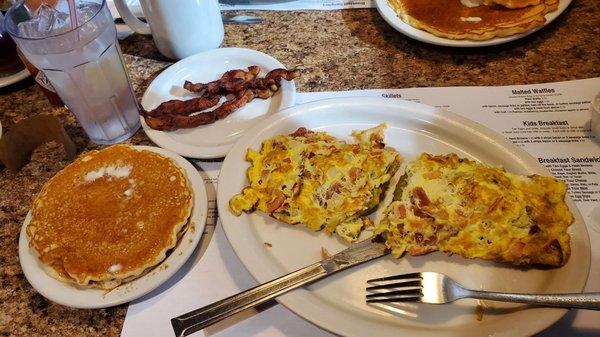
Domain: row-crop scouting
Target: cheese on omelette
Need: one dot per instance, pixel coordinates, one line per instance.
(459, 206)
(315, 179)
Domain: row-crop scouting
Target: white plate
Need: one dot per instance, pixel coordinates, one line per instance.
(213, 140)
(337, 303)
(390, 16)
(14, 78)
(71, 296)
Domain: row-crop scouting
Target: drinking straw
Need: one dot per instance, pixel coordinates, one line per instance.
(73, 15)
(73, 18)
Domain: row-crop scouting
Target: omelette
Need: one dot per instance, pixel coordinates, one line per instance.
(458, 206)
(110, 216)
(315, 179)
(473, 19)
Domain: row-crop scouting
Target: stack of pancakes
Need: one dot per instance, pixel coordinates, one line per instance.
(110, 216)
(473, 19)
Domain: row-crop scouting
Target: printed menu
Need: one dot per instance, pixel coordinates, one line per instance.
(550, 121)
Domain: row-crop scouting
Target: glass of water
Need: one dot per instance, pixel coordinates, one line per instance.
(82, 60)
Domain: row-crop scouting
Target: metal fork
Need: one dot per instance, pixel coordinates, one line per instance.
(436, 288)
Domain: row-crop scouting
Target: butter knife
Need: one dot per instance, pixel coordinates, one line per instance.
(201, 318)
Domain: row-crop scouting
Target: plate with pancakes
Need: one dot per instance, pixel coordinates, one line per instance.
(112, 226)
(469, 23)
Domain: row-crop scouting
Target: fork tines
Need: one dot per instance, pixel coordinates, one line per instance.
(410, 276)
(404, 288)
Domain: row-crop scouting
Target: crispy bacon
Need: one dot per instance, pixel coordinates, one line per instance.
(179, 107)
(333, 189)
(431, 240)
(186, 122)
(419, 194)
(238, 79)
(400, 211)
(226, 84)
(418, 237)
(239, 86)
(421, 214)
(278, 74)
(400, 227)
(377, 141)
(301, 132)
(353, 173)
(230, 106)
(174, 122)
(276, 202)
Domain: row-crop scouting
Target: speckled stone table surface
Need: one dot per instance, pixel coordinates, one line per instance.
(336, 50)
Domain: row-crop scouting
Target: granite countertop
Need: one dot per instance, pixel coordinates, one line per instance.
(336, 50)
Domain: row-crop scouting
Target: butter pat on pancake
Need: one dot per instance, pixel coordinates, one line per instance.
(453, 20)
(315, 179)
(110, 216)
(518, 3)
(458, 206)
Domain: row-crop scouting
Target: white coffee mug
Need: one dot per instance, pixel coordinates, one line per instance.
(180, 28)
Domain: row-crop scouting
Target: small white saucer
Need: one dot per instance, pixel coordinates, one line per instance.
(213, 140)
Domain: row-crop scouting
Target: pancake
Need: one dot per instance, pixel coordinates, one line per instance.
(110, 216)
(453, 20)
(506, 3)
(517, 3)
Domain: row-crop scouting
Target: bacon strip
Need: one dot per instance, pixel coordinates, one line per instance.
(187, 107)
(174, 122)
(229, 107)
(276, 202)
(301, 132)
(278, 74)
(242, 85)
(418, 194)
(227, 83)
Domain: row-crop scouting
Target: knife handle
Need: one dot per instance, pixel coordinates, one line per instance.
(201, 318)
